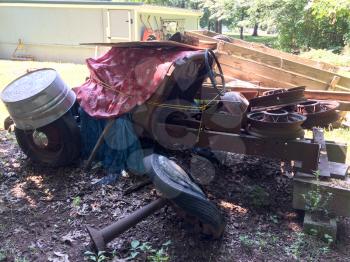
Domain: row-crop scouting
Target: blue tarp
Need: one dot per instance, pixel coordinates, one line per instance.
(121, 149)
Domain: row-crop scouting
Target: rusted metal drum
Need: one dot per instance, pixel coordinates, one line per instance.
(37, 98)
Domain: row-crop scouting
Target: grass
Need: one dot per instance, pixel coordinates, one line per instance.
(72, 74)
(341, 60)
(268, 40)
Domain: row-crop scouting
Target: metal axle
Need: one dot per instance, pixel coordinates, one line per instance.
(101, 237)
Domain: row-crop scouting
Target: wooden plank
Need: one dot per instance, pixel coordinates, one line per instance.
(334, 82)
(204, 34)
(279, 62)
(266, 71)
(251, 76)
(323, 165)
(287, 65)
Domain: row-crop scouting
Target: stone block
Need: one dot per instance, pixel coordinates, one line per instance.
(320, 228)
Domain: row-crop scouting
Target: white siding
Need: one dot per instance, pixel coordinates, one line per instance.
(59, 26)
(52, 33)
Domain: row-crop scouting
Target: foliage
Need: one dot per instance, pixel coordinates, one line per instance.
(2, 256)
(267, 40)
(153, 255)
(99, 257)
(306, 248)
(76, 201)
(315, 202)
(328, 57)
(321, 24)
(257, 196)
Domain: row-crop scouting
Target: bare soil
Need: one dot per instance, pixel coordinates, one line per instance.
(44, 211)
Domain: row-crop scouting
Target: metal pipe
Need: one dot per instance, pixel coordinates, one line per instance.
(101, 237)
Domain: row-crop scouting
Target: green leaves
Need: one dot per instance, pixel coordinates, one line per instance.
(153, 255)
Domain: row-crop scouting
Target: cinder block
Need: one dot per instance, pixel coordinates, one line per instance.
(320, 228)
(339, 203)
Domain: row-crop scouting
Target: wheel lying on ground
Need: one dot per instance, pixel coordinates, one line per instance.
(190, 201)
(56, 144)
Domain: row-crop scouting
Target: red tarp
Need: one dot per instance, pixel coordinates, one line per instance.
(124, 78)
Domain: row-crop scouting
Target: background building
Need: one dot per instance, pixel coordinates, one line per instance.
(54, 30)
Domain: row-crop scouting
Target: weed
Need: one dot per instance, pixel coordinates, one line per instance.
(152, 254)
(329, 239)
(274, 219)
(258, 197)
(99, 257)
(315, 202)
(2, 255)
(76, 201)
(21, 259)
(247, 243)
(296, 248)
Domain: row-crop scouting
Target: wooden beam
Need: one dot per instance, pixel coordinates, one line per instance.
(272, 59)
(279, 75)
(281, 63)
(207, 35)
(252, 77)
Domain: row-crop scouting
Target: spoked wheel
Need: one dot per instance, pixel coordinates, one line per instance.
(56, 144)
(210, 56)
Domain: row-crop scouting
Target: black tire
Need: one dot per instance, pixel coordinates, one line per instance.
(61, 146)
(185, 194)
(205, 211)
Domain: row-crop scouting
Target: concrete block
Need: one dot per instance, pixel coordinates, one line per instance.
(320, 228)
(339, 203)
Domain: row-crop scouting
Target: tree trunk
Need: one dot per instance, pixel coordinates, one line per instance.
(218, 26)
(255, 31)
(241, 28)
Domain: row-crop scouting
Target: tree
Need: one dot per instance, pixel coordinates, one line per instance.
(320, 24)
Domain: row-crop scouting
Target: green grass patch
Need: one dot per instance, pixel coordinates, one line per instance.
(267, 40)
(72, 74)
(327, 56)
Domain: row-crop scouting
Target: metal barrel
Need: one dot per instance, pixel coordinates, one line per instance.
(37, 98)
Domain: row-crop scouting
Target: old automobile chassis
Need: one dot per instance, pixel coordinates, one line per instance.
(218, 128)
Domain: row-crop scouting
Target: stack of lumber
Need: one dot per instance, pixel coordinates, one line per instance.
(270, 68)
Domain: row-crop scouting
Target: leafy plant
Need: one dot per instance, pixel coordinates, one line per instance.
(296, 248)
(246, 243)
(153, 255)
(315, 201)
(258, 197)
(2, 256)
(99, 257)
(274, 219)
(76, 201)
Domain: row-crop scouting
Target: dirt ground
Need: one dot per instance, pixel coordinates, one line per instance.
(44, 212)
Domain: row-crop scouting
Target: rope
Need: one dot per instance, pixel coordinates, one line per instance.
(172, 106)
(107, 86)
